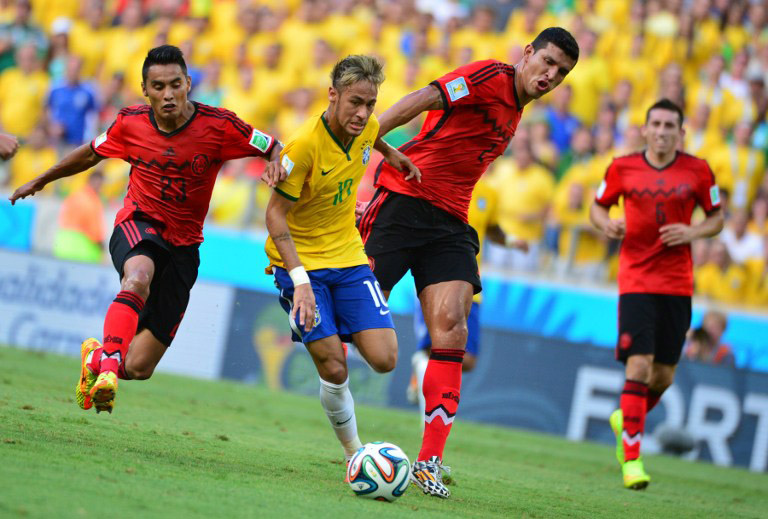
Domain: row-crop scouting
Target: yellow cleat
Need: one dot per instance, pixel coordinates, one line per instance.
(635, 477)
(87, 378)
(617, 425)
(103, 392)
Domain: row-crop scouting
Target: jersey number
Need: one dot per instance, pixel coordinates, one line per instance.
(378, 298)
(168, 182)
(345, 189)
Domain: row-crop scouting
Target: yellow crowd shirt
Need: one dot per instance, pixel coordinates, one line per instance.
(522, 195)
(482, 215)
(323, 176)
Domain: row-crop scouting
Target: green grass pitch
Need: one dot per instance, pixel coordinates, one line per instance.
(181, 447)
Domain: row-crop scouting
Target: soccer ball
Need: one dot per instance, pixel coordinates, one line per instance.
(379, 470)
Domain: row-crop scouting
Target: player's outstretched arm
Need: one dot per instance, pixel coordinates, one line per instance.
(397, 159)
(599, 216)
(9, 144)
(678, 233)
(277, 226)
(80, 159)
(402, 112)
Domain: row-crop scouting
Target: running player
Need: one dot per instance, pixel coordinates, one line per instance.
(482, 218)
(474, 112)
(315, 250)
(661, 187)
(176, 148)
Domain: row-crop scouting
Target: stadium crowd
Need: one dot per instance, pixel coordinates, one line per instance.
(67, 67)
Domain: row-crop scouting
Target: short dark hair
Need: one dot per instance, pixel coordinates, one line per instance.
(560, 38)
(163, 55)
(702, 336)
(665, 104)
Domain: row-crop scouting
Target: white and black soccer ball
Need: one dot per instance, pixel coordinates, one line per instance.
(379, 470)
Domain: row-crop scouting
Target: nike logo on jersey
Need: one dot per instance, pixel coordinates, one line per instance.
(383, 312)
(324, 173)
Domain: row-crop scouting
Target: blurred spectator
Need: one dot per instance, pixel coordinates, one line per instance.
(757, 278)
(589, 80)
(720, 278)
(22, 93)
(88, 37)
(739, 167)
(702, 348)
(9, 145)
(58, 54)
(525, 191)
(742, 244)
(562, 123)
(701, 138)
(209, 91)
(81, 223)
(33, 158)
(19, 33)
(709, 91)
(72, 107)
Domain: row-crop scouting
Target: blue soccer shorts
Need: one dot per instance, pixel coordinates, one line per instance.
(473, 327)
(348, 300)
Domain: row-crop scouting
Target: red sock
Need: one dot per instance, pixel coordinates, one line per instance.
(442, 386)
(95, 363)
(119, 329)
(653, 399)
(633, 401)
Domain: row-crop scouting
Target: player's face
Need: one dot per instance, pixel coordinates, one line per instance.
(662, 132)
(352, 106)
(167, 88)
(544, 69)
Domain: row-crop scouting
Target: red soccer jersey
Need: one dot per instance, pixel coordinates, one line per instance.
(653, 198)
(456, 145)
(172, 174)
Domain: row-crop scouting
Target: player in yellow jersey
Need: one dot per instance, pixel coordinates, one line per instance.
(483, 218)
(315, 250)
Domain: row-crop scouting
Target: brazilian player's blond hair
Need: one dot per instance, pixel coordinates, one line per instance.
(356, 68)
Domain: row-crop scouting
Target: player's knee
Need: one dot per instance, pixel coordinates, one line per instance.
(333, 371)
(639, 368)
(137, 282)
(386, 361)
(139, 370)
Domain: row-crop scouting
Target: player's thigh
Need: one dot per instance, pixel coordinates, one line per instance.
(378, 346)
(637, 326)
(169, 295)
(144, 354)
(137, 238)
(446, 306)
(446, 259)
(328, 355)
(672, 323)
(324, 324)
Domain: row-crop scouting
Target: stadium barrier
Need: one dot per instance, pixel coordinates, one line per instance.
(52, 305)
(523, 380)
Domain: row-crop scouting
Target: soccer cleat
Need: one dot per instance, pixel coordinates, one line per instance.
(635, 477)
(427, 475)
(87, 377)
(103, 391)
(617, 424)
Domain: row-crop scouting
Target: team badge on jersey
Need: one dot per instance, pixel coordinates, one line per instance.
(287, 164)
(260, 141)
(457, 88)
(714, 195)
(366, 155)
(101, 139)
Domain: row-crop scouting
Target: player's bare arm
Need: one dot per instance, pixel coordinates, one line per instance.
(9, 144)
(80, 159)
(498, 236)
(277, 226)
(674, 234)
(600, 218)
(274, 172)
(402, 112)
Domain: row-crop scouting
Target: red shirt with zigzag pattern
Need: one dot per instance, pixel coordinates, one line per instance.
(654, 197)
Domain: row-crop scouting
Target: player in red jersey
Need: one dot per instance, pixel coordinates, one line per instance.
(422, 226)
(176, 148)
(661, 187)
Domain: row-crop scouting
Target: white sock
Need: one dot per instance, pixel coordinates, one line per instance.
(340, 408)
(419, 362)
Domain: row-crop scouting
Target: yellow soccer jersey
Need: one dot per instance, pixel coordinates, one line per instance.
(323, 177)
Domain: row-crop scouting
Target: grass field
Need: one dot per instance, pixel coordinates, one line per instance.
(180, 447)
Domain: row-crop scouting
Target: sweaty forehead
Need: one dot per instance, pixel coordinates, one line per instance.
(164, 73)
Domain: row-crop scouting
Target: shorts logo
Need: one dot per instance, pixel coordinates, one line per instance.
(260, 141)
(714, 195)
(150, 230)
(101, 139)
(200, 164)
(366, 155)
(287, 163)
(457, 88)
(625, 341)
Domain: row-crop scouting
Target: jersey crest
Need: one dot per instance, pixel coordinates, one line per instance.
(457, 88)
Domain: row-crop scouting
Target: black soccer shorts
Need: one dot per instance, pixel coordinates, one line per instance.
(175, 274)
(653, 324)
(401, 232)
